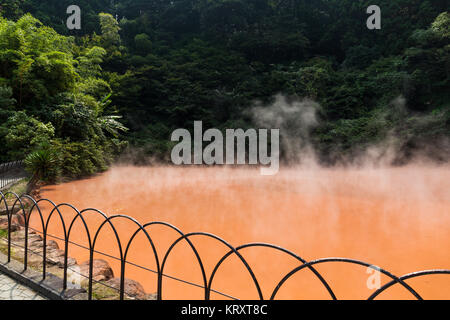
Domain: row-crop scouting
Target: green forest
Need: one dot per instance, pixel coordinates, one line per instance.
(138, 69)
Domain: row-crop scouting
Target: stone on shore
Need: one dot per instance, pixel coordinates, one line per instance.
(16, 221)
(133, 289)
(101, 270)
(4, 212)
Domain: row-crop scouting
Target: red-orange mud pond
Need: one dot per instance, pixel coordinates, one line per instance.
(397, 219)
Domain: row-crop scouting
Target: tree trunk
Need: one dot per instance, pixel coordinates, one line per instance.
(31, 186)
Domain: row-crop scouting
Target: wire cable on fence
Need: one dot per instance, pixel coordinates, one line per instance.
(118, 259)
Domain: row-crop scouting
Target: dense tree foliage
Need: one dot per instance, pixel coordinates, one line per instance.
(168, 63)
(52, 96)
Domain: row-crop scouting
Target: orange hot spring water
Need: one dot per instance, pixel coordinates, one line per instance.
(395, 218)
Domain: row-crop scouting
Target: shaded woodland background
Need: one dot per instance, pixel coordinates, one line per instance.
(138, 69)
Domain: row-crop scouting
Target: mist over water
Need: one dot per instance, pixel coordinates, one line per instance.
(364, 208)
(295, 118)
(395, 218)
(399, 132)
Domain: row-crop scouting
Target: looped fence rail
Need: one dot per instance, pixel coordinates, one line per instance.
(26, 206)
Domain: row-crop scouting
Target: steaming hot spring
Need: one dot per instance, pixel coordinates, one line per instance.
(395, 218)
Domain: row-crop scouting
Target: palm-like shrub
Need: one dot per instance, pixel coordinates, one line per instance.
(108, 123)
(43, 165)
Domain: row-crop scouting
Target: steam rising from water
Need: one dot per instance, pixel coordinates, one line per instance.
(397, 218)
(394, 218)
(295, 119)
(402, 129)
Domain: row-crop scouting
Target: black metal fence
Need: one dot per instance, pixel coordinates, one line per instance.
(11, 172)
(28, 207)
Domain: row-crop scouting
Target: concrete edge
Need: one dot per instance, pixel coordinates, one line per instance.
(50, 288)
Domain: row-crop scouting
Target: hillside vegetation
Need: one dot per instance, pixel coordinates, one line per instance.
(163, 64)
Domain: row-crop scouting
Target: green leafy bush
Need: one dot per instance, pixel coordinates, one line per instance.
(43, 165)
